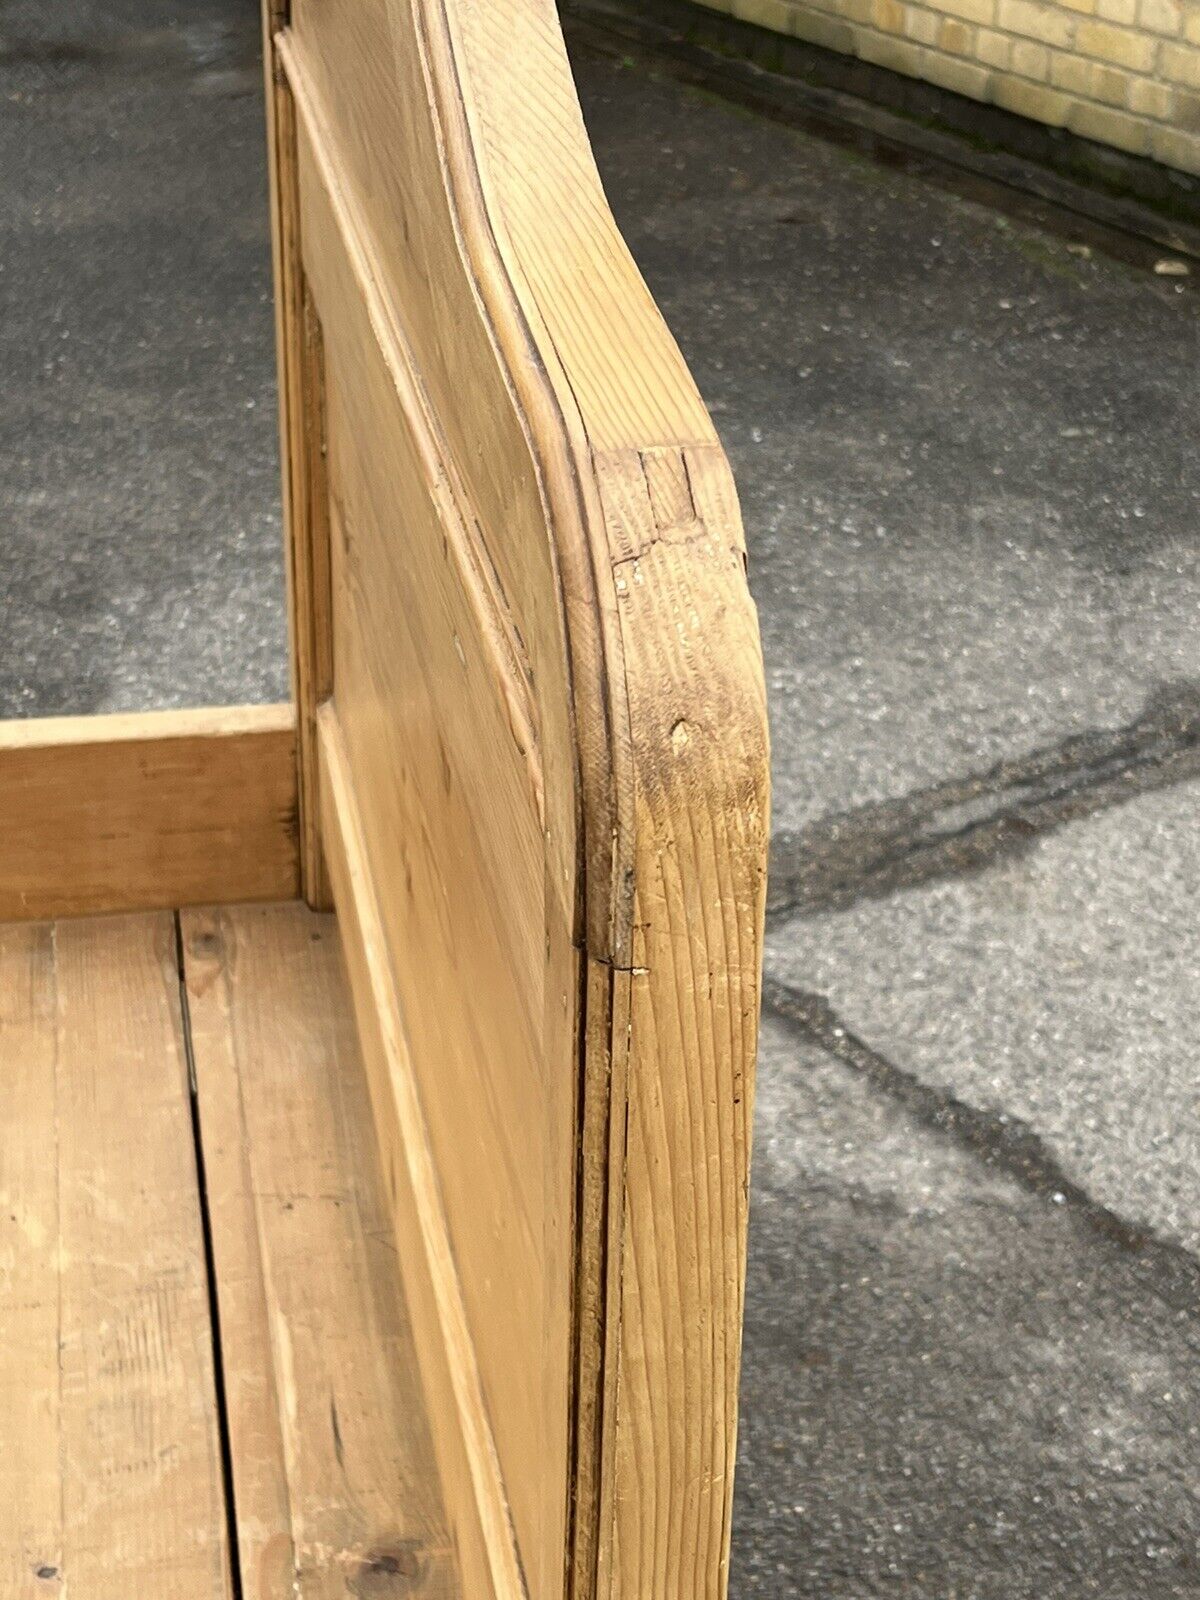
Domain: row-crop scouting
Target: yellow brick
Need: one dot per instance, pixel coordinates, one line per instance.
(1119, 45)
(1043, 22)
(1110, 85)
(1176, 149)
(1161, 16)
(1071, 73)
(860, 11)
(1123, 72)
(922, 25)
(1031, 60)
(992, 48)
(963, 77)
(832, 33)
(1180, 65)
(774, 14)
(895, 54)
(1110, 127)
(955, 37)
(981, 11)
(1031, 100)
(1149, 98)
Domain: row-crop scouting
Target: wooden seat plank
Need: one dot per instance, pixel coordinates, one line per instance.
(110, 1461)
(334, 1481)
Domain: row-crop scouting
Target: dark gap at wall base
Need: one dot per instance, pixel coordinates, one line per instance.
(848, 100)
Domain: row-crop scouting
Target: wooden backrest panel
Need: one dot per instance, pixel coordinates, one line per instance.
(544, 763)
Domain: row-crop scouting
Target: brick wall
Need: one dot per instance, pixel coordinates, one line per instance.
(1123, 72)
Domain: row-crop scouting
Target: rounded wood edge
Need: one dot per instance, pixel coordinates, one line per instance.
(672, 745)
(558, 284)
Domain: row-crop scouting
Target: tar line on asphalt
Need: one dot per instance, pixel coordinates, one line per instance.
(957, 828)
(963, 825)
(998, 1138)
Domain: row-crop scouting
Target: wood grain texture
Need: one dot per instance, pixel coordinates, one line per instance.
(548, 722)
(335, 1483)
(699, 883)
(435, 660)
(475, 1499)
(305, 488)
(121, 813)
(110, 1471)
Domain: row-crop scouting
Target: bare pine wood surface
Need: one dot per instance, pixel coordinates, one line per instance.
(301, 382)
(476, 1503)
(111, 1427)
(110, 1464)
(544, 778)
(433, 672)
(335, 1485)
(147, 811)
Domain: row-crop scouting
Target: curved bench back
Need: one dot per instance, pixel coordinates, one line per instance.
(533, 757)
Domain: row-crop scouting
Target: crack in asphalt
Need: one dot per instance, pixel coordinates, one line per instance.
(964, 825)
(1001, 1140)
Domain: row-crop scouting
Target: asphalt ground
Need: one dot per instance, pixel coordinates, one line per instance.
(138, 433)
